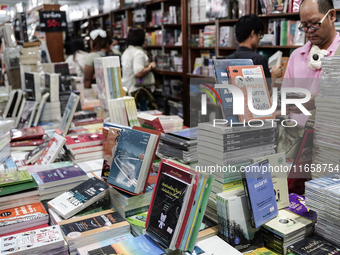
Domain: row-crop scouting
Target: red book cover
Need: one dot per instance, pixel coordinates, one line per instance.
(25, 230)
(82, 140)
(27, 133)
(35, 142)
(87, 121)
(296, 5)
(150, 122)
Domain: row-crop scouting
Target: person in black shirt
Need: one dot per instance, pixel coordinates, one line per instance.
(248, 32)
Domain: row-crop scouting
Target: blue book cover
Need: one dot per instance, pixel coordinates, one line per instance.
(221, 76)
(259, 189)
(132, 159)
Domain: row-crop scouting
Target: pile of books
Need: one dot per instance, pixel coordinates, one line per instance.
(321, 195)
(326, 141)
(16, 189)
(27, 139)
(5, 139)
(85, 146)
(55, 179)
(180, 145)
(162, 123)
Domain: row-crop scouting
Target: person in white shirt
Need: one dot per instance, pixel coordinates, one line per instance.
(76, 61)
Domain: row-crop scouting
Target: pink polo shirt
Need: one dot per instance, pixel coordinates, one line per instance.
(299, 75)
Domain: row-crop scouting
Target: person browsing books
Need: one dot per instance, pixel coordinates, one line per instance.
(304, 65)
(248, 30)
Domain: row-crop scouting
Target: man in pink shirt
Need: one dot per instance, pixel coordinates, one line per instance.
(304, 66)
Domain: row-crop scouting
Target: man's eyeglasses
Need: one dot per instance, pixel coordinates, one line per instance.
(314, 26)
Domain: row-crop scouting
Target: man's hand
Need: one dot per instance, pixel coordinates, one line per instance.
(276, 71)
(310, 105)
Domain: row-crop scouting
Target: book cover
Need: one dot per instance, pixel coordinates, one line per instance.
(21, 214)
(34, 142)
(40, 109)
(298, 206)
(245, 77)
(76, 141)
(7, 190)
(313, 245)
(32, 241)
(291, 28)
(259, 189)
(221, 76)
(141, 245)
(132, 159)
(150, 121)
(137, 222)
(287, 224)
(275, 59)
(261, 251)
(58, 174)
(20, 111)
(78, 196)
(25, 230)
(169, 198)
(33, 155)
(32, 86)
(70, 108)
(13, 178)
(26, 115)
(279, 177)
(110, 150)
(283, 32)
(27, 133)
(52, 150)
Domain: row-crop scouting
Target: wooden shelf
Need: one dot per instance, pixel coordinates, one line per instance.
(202, 23)
(202, 48)
(167, 72)
(279, 15)
(277, 47)
(190, 75)
(223, 21)
(227, 48)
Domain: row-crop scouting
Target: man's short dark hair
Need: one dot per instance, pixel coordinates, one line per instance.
(324, 5)
(245, 25)
(136, 37)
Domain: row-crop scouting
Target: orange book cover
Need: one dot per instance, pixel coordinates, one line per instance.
(109, 150)
(244, 77)
(22, 213)
(284, 63)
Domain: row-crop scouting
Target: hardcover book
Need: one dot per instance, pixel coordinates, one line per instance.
(76, 141)
(32, 242)
(52, 150)
(245, 77)
(132, 160)
(74, 200)
(259, 189)
(221, 76)
(70, 108)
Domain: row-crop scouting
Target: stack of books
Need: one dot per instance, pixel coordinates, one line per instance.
(19, 219)
(55, 181)
(100, 226)
(321, 195)
(162, 123)
(180, 145)
(40, 241)
(16, 189)
(27, 139)
(326, 141)
(75, 200)
(284, 230)
(123, 111)
(85, 146)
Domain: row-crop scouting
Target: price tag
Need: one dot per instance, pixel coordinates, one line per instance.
(52, 21)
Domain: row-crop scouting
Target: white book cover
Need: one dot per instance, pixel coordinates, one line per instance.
(215, 245)
(20, 112)
(279, 176)
(17, 103)
(68, 113)
(32, 86)
(275, 60)
(299, 37)
(40, 109)
(9, 103)
(33, 112)
(52, 150)
(32, 242)
(52, 86)
(109, 62)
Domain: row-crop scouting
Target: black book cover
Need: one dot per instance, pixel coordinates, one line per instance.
(314, 245)
(87, 190)
(167, 207)
(48, 86)
(11, 108)
(30, 87)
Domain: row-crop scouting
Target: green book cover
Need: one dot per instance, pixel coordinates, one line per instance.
(138, 222)
(17, 188)
(283, 36)
(12, 178)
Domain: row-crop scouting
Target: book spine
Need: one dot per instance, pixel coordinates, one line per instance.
(267, 232)
(246, 190)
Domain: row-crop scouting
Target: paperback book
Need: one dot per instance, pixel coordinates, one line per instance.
(52, 150)
(70, 108)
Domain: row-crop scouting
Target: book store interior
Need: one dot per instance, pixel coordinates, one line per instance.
(178, 127)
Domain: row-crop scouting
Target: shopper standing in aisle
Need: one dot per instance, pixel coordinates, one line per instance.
(138, 78)
(99, 45)
(248, 30)
(76, 60)
(304, 65)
